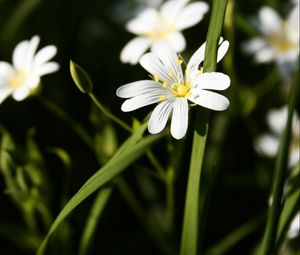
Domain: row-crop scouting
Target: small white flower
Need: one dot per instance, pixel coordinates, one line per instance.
(268, 144)
(152, 26)
(294, 229)
(173, 89)
(23, 76)
(279, 41)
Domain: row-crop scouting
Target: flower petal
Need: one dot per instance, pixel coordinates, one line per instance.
(210, 100)
(6, 71)
(267, 145)
(177, 41)
(169, 59)
(222, 50)
(264, 55)
(270, 21)
(134, 49)
(153, 65)
(47, 68)
(293, 21)
(159, 117)
(44, 55)
(21, 93)
(4, 92)
(19, 54)
(213, 81)
(196, 59)
(140, 87)
(180, 117)
(170, 9)
(30, 52)
(253, 45)
(191, 15)
(32, 82)
(276, 119)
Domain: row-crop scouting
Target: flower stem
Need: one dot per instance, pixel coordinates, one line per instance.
(268, 243)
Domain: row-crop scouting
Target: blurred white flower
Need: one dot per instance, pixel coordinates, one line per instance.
(279, 41)
(23, 76)
(268, 144)
(153, 26)
(172, 88)
(294, 229)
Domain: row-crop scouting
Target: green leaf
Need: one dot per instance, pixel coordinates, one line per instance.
(114, 167)
(81, 78)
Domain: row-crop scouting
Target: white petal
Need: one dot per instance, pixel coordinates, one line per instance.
(19, 54)
(141, 101)
(222, 50)
(4, 92)
(153, 65)
(293, 22)
(32, 82)
(159, 117)
(172, 8)
(134, 49)
(21, 93)
(30, 52)
(180, 117)
(6, 70)
(213, 81)
(267, 145)
(140, 87)
(253, 45)
(144, 22)
(294, 228)
(270, 21)
(169, 58)
(210, 100)
(177, 41)
(47, 68)
(294, 156)
(264, 55)
(191, 15)
(196, 59)
(276, 119)
(44, 55)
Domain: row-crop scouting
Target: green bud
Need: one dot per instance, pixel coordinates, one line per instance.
(81, 78)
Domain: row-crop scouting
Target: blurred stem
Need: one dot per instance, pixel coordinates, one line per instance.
(45, 215)
(189, 237)
(268, 242)
(170, 194)
(108, 113)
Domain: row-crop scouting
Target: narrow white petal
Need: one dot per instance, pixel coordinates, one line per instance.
(177, 41)
(144, 22)
(270, 21)
(134, 49)
(180, 117)
(172, 8)
(264, 55)
(44, 55)
(191, 15)
(213, 81)
(4, 92)
(196, 59)
(210, 100)
(19, 54)
(140, 87)
(169, 58)
(140, 101)
(253, 45)
(32, 82)
(222, 50)
(159, 117)
(47, 68)
(293, 22)
(294, 229)
(21, 93)
(154, 66)
(30, 52)
(267, 145)
(6, 70)
(276, 119)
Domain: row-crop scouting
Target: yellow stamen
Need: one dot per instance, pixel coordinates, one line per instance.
(200, 71)
(171, 73)
(18, 80)
(156, 78)
(165, 84)
(162, 98)
(187, 71)
(179, 61)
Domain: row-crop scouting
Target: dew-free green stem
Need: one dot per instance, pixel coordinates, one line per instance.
(189, 238)
(268, 242)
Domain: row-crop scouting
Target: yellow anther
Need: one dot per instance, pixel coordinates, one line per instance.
(171, 73)
(187, 71)
(200, 71)
(179, 61)
(162, 98)
(165, 84)
(156, 78)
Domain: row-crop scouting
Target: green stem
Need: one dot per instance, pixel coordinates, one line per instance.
(268, 243)
(170, 194)
(108, 113)
(189, 237)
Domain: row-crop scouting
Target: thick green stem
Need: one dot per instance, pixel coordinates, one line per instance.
(268, 243)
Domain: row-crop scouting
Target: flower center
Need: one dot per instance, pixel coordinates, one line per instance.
(182, 90)
(162, 30)
(18, 80)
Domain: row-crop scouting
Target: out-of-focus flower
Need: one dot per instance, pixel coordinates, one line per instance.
(268, 144)
(279, 41)
(172, 88)
(153, 26)
(294, 229)
(23, 76)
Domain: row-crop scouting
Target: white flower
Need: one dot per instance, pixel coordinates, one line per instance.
(279, 41)
(152, 26)
(23, 76)
(172, 89)
(268, 144)
(294, 229)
